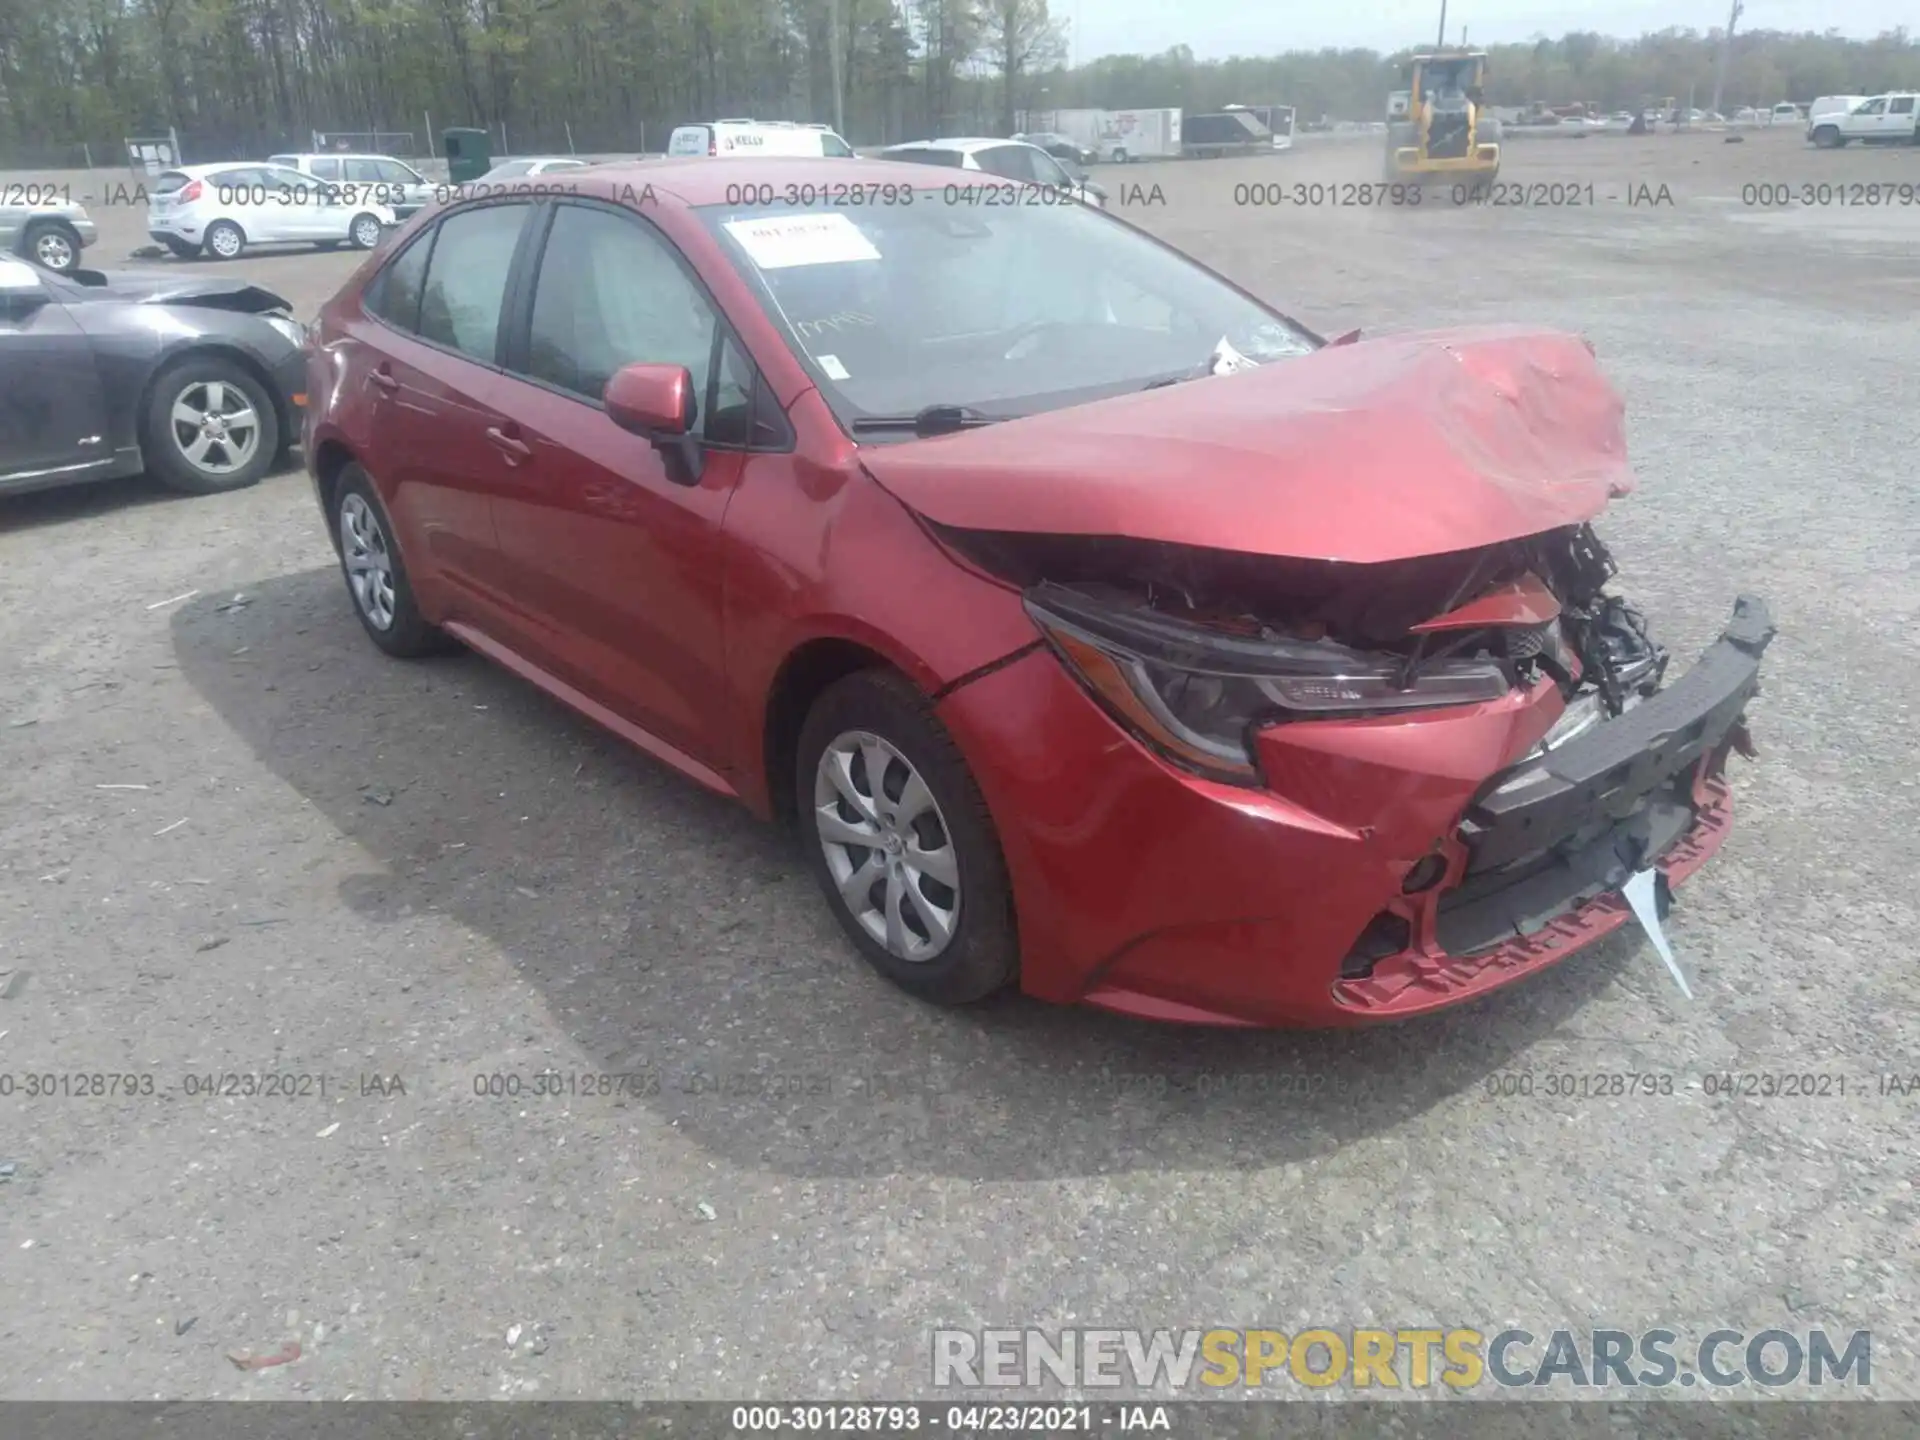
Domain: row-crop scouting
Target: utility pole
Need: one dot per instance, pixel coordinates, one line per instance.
(839, 99)
(1726, 56)
(1441, 43)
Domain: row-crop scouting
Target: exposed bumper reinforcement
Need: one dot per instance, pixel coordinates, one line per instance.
(1607, 773)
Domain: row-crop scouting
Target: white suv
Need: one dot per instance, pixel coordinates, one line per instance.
(381, 178)
(1009, 159)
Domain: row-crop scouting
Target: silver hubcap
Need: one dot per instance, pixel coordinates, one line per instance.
(366, 233)
(225, 242)
(53, 250)
(363, 547)
(887, 846)
(215, 426)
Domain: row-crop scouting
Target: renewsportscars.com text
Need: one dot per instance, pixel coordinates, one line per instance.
(1413, 1358)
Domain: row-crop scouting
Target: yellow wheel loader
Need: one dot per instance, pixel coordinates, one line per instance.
(1444, 134)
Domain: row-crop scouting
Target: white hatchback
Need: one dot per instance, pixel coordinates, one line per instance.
(223, 209)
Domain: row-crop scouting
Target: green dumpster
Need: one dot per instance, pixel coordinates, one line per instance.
(469, 154)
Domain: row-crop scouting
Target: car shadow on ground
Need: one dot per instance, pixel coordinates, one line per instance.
(679, 940)
(67, 504)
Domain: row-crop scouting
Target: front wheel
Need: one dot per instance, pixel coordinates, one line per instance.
(209, 427)
(54, 247)
(364, 233)
(898, 835)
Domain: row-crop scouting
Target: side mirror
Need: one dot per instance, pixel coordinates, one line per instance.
(656, 402)
(651, 400)
(20, 285)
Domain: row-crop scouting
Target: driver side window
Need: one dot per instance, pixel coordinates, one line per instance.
(1012, 162)
(611, 294)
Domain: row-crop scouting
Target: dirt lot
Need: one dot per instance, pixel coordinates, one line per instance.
(432, 873)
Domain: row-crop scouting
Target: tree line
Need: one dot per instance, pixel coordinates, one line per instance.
(239, 78)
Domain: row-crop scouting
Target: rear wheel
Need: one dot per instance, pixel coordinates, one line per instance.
(225, 240)
(364, 233)
(898, 835)
(209, 427)
(1827, 137)
(53, 246)
(376, 576)
(181, 249)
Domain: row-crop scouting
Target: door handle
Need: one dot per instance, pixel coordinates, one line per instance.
(384, 379)
(511, 447)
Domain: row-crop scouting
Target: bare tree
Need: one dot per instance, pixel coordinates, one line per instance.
(1022, 39)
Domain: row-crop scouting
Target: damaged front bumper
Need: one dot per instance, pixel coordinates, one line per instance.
(1458, 864)
(1535, 869)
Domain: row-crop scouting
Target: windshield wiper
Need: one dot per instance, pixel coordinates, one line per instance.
(932, 420)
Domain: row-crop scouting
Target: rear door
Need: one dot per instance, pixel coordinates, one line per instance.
(434, 379)
(617, 558)
(1900, 117)
(52, 409)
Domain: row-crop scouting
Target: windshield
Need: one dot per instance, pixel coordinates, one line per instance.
(1006, 308)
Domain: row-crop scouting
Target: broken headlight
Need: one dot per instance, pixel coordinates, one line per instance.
(1196, 694)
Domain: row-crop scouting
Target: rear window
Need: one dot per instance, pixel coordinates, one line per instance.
(952, 159)
(170, 182)
(690, 140)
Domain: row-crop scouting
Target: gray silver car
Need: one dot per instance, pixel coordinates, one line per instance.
(198, 382)
(45, 224)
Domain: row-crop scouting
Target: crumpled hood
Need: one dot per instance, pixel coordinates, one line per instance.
(159, 288)
(1380, 450)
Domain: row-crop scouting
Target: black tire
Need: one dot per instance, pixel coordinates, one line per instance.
(365, 231)
(223, 234)
(407, 636)
(1827, 137)
(52, 245)
(182, 250)
(165, 439)
(983, 955)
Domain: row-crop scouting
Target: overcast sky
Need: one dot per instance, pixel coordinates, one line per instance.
(1219, 28)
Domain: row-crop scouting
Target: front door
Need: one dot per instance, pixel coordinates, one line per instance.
(52, 410)
(618, 556)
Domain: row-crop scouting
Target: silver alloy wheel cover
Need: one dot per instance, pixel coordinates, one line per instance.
(225, 240)
(368, 561)
(214, 426)
(53, 250)
(882, 846)
(371, 225)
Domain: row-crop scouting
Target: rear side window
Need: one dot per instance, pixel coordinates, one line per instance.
(394, 295)
(1902, 106)
(326, 167)
(364, 172)
(466, 281)
(690, 140)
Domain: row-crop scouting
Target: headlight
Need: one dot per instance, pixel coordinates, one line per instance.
(289, 327)
(1196, 695)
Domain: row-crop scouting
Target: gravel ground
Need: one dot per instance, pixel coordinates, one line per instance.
(234, 838)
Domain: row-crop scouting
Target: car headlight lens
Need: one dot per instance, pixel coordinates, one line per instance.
(1197, 695)
(289, 327)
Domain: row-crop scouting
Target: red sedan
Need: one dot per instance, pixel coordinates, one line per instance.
(1100, 629)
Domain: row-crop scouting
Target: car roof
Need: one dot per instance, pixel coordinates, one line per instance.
(706, 180)
(965, 144)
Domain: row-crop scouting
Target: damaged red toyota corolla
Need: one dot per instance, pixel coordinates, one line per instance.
(1099, 629)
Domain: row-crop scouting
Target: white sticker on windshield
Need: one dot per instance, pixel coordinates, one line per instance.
(835, 370)
(1229, 361)
(781, 241)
